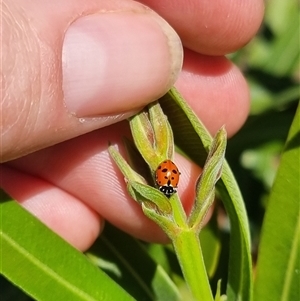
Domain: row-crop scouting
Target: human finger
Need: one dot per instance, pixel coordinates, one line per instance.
(212, 27)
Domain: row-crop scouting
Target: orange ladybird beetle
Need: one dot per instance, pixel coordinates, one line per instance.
(167, 177)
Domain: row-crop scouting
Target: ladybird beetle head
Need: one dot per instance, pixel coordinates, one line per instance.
(167, 190)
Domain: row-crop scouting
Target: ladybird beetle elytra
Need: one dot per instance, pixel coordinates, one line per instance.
(167, 177)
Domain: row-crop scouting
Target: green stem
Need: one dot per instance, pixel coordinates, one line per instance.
(189, 254)
(178, 212)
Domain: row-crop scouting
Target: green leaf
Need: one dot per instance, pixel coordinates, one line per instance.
(136, 161)
(194, 140)
(205, 188)
(218, 296)
(164, 141)
(127, 171)
(159, 253)
(211, 245)
(44, 265)
(142, 131)
(127, 262)
(278, 276)
(152, 196)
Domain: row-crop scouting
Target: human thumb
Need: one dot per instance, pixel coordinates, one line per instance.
(71, 68)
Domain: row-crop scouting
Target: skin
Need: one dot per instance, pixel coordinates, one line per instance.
(54, 149)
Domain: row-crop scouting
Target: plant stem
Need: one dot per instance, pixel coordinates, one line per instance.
(189, 254)
(178, 212)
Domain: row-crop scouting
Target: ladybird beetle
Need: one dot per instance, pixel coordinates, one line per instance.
(167, 177)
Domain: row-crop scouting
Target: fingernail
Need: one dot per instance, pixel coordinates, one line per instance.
(117, 62)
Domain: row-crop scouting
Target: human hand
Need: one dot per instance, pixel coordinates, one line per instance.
(113, 63)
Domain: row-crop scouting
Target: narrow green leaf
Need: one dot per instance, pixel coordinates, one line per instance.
(136, 161)
(164, 142)
(211, 245)
(205, 190)
(150, 194)
(125, 168)
(132, 267)
(143, 135)
(163, 221)
(44, 265)
(158, 253)
(194, 140)
(278, 268)
(218, 296)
